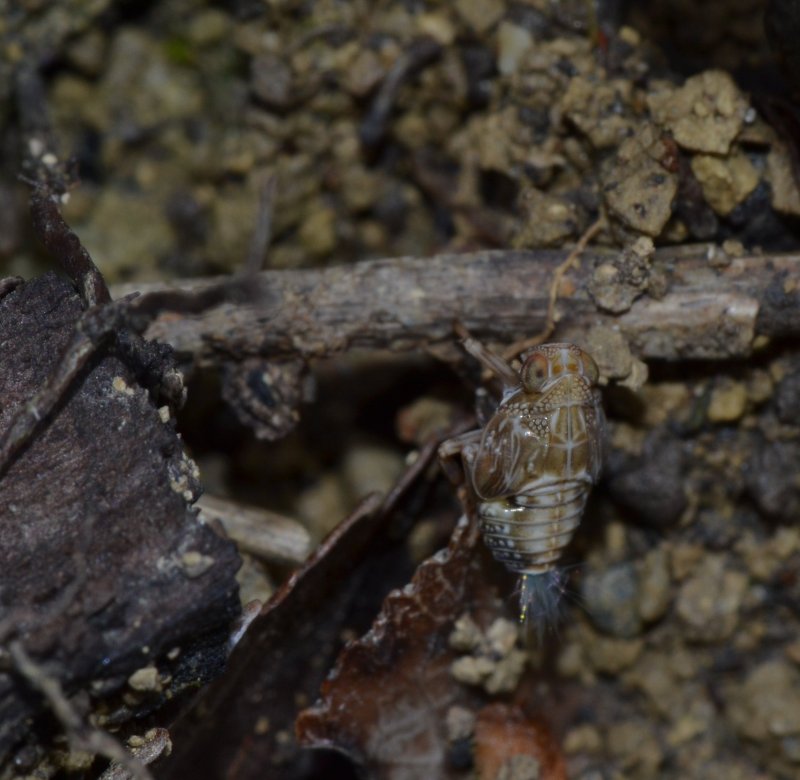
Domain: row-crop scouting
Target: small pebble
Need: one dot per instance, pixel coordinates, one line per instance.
(466, 635)
(368, 468)
(502, 636)
(513, 43)
(481, 15)
(460, 723)
(728, 401)
(708, 602)
(635, 745)
(583, 739)
(767, 704)
(652, 485)
(523, 767)
(145, 679)
(612, 656)
(472, 670)
(787, 398)
(704, 115)
(773, 486)
(506, 673)
(684, 559)
(655, 591)
(610, 598)
(195, 564)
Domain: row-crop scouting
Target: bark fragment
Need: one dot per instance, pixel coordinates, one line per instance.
(96, 525)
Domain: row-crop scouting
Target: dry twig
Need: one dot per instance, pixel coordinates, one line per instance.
(262, 236)
(262, 533)
(81, 735)
(406, 303)
(519, 347)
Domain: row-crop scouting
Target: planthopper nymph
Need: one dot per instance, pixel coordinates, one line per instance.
(532, 465)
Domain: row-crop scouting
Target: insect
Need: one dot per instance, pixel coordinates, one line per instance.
(532, 465)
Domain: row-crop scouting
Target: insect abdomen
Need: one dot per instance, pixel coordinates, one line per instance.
(528, 532)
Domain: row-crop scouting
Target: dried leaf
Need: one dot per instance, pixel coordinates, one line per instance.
(242, 723)
(385, 703)
(508, 746)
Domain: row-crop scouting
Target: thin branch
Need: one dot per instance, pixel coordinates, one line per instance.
(52, 178)
(519, 347)
(500, 296)
(81, 735)
(147, 749)
(258, 531)
(262, 236)
(418, 54)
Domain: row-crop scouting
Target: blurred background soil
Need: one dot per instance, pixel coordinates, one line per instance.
(410, 128)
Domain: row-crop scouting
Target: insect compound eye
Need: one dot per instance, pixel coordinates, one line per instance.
(535, 372)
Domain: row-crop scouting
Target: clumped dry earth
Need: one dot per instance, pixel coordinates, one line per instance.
(397, 128)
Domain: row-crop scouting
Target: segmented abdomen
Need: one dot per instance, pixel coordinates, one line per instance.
(528, 532)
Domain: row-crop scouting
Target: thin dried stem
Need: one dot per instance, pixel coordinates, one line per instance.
(81, 735)
(550, 323)
(405, 303)
(258, 531)
(262, 236)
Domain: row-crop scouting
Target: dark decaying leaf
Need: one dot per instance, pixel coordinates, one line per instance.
(387, 702)
(241, 726)
(508, 745)
(104, 567)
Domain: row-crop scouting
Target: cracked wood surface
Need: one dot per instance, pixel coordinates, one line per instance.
(99, 547)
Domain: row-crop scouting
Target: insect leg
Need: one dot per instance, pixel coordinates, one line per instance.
(452, 449)
(493, 362)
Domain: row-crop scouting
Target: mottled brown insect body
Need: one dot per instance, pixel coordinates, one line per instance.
(534, 463)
